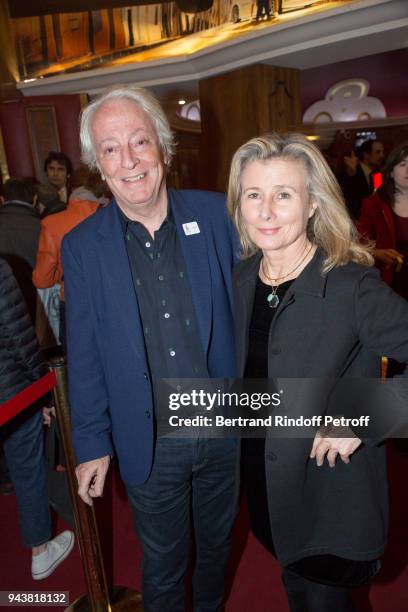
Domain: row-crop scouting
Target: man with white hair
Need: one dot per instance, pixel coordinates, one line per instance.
(148, 296)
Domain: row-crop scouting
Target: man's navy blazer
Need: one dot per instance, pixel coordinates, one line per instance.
(110, 389)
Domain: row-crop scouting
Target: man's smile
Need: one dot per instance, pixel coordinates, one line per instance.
(134, 179)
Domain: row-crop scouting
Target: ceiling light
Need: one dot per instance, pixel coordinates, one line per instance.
(181, 102)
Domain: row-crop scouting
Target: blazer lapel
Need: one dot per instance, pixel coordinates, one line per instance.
(116, 270)
(195, 251)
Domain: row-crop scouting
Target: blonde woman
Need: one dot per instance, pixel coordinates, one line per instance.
(309, 305)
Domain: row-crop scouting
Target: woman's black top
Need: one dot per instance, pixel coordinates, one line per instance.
(327, 569)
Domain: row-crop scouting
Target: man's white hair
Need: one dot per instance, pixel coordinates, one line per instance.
(144, 100)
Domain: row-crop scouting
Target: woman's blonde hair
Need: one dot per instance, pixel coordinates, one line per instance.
(330, 227)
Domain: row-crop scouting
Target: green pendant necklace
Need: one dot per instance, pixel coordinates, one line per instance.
(273, 298)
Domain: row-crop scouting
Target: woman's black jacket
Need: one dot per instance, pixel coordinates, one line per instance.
(331, 329)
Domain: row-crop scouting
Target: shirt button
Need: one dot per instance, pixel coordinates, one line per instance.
(147, 244)
(161, 277)
(128, 236)
(172, 353)
(147, 414)
(145, 376)
(166, 315)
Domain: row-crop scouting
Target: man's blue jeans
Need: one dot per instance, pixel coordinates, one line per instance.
(24, 450)
(193, 484)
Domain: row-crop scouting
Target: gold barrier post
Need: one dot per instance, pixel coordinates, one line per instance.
(99, 598)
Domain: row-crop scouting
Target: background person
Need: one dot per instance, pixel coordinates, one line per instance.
(263, 9)
(356, 180)
(309, 306)
(21, 364)
(148, 288)
(384, 219)
(19, 235)
(89, 186)
(49, 201)
(48, 271)
(58, 168)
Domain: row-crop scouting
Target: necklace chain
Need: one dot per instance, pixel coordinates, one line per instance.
(273, 298)
(278, 278)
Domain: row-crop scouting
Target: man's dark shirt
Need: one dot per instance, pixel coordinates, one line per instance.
(355, 189)
(163, 291)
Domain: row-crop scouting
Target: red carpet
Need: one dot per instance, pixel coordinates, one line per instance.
(254, 581)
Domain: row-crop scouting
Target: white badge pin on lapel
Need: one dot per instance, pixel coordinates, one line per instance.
(191, 228)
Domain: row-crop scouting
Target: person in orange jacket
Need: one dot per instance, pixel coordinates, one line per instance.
(84, 201)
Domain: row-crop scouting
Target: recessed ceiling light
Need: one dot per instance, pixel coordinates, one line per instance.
(181, 102)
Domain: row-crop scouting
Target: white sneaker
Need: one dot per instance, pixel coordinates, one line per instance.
(57, 550)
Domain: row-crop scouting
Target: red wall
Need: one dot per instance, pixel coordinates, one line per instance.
(387, 74)
(16, 136)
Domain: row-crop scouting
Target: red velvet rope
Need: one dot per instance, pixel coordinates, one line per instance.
(26, 397)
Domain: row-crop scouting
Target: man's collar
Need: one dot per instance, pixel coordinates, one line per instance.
(19, 202)
(125, 221)
(21, 205)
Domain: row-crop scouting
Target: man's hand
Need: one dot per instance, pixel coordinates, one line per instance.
(91, 478)
(331, 447)
(388, 256)
(351, 163)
